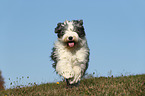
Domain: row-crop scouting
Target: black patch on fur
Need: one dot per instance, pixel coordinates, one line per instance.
(54, 57)
(60, 29)
(87, 64)
(78, 27)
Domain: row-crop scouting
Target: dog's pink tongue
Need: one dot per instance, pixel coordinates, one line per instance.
(71, 44)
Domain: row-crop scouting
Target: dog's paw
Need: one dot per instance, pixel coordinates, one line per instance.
(76, 79)
(68, 74)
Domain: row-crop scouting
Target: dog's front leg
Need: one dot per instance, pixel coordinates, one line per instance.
(77, 76)
(64, 69)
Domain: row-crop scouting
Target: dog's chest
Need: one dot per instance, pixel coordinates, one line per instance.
(71, 56)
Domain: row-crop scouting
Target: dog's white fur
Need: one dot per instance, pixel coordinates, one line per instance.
(71, 62)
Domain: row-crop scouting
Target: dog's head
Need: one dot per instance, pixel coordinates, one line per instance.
(70, 32)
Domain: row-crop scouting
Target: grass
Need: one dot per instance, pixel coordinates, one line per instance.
(95, 86)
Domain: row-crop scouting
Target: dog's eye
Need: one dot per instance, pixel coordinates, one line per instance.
(81, 32)
(78, 30)
(62, 32)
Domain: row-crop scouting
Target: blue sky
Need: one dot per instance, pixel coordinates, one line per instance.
(115, 32)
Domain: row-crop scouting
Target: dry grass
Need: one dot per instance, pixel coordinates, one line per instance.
(100, 86)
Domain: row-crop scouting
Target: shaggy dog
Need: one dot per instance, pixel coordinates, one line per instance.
(70, 52)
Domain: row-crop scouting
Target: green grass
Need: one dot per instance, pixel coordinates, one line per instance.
(94, 86)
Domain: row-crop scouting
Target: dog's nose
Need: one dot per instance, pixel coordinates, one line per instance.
(70, 38)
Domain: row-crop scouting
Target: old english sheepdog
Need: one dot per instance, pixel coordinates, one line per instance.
(70, 52)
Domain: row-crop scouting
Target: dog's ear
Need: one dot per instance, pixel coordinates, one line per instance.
(59, 27)
(78, 22)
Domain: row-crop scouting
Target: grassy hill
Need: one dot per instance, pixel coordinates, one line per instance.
(95, 86)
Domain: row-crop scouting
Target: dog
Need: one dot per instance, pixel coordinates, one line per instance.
(70, 52)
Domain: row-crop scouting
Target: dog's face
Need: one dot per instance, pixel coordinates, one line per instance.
(70, 32)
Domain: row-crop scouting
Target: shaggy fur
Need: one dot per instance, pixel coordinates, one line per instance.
(70, 52)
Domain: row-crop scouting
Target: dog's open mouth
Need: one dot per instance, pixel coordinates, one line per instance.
(71, 43)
